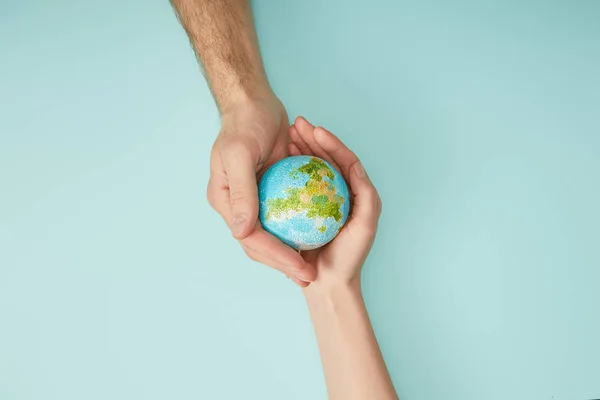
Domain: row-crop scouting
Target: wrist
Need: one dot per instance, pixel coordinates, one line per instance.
(243, 94)
(332, 291)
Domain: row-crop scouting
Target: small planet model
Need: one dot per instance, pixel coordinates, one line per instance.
(304, 201)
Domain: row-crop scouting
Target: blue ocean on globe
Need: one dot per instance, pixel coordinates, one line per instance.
(304, 201)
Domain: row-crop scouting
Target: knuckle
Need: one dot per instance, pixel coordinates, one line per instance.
(372, 195)
(250, 253)
(252, 257)
(214, 151)
(210, 196)
(368, 230)
(238, 198)
(237, 147)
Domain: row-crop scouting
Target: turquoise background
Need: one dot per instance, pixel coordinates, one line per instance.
(478, 122)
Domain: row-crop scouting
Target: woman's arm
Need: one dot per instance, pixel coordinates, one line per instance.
(353, 364)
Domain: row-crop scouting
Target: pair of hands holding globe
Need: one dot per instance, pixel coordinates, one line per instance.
(256, 134)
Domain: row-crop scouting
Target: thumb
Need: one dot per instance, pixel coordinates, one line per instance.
(240, 169)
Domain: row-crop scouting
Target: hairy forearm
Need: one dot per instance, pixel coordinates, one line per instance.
(223, 36)
(352, 362)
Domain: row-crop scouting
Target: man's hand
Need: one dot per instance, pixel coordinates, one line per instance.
(254, 134)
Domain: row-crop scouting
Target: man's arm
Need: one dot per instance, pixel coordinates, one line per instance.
(254, 132)
(222, 34)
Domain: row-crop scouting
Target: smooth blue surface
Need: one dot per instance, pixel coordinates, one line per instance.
(297, 229)
(478, 122)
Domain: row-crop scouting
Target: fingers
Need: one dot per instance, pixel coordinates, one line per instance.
(299, 282)
(366, 204)
(218, 198)
(264, 247)
(261, 246)
(299, 142)
(262, 259)
(306, 131)
(240, 170)
(293, 149)
(278, 255)
(338, 152)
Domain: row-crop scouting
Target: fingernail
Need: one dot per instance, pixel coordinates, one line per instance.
(239, 223)
(297, 281)
(299, 267)
(303, 276)
(360, 171)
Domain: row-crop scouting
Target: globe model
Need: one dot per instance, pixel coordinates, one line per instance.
(304, 201)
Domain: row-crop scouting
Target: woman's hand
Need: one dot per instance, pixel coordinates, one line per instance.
(352, 362)
(341, 260)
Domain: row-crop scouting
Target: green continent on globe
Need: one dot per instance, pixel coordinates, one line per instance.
(318, 197)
